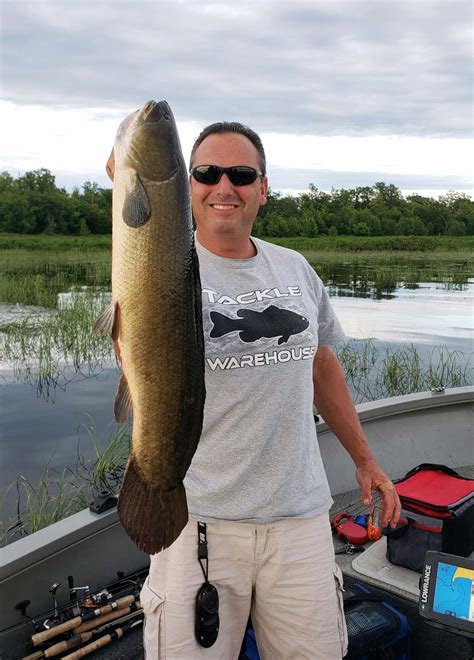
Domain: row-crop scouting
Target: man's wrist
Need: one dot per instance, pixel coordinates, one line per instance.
(366, 462)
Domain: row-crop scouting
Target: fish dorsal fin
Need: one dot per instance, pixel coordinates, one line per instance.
(272, 309)
(108, 321)
(123, 400)
(197, 302)
(136, 208)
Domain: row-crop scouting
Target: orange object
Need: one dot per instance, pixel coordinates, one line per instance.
(374, 531)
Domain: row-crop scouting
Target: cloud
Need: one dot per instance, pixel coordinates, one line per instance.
(299, 180)
(321, 67)
(74, 145)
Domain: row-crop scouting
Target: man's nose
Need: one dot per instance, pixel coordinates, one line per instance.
(224, 185)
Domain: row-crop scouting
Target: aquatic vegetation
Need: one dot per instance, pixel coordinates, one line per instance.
(57, 495)
(34, 269)
(104, 471)
(36, 277)
(54, 497)
(371, 372)
(47, 349)
(45, 352)
(374, 373)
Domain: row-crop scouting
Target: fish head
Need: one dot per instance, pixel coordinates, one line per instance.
(147, 141)
(293, 322)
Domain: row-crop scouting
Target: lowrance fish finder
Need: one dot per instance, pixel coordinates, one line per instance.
(447, 592)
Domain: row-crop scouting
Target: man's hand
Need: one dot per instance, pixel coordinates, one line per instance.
(371, 477)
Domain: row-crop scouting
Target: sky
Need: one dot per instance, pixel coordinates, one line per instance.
(343, 93)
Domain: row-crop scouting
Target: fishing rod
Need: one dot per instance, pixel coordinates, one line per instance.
(117, 633)
(90, 625)
(79, 610)
(77, 621)
(81, 638)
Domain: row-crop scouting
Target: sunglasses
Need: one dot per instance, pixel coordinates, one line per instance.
(239, 175)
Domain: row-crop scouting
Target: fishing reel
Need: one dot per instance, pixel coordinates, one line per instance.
(57, 616)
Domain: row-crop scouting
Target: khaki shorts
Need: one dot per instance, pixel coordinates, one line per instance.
(282, 574)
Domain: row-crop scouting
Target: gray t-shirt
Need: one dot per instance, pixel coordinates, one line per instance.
(258, 459)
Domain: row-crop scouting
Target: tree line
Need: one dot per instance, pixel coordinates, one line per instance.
(32, 204)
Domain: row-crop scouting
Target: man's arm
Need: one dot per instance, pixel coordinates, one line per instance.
(334, 401)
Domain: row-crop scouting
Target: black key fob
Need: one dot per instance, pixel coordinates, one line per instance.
(207, 615)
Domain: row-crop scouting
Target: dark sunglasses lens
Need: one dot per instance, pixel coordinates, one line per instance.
(208, 174)
(242, 176)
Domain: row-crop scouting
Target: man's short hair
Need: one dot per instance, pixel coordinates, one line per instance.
(233, 127)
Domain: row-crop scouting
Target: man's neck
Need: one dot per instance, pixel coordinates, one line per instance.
(228, 246)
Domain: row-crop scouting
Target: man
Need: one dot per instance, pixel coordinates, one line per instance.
(257, 479)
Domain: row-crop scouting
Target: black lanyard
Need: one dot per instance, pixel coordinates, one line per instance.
(202, 549)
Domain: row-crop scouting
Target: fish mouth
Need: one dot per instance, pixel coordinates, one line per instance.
(155, 111)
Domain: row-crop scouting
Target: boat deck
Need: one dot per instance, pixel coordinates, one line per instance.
(428, 641)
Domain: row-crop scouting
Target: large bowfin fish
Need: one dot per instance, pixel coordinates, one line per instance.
(156, 319)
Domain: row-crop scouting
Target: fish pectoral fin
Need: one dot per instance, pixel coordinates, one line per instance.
(136, 208)
(110, 165)
(108, 321)
(283, 339)
(123, 401)
(153, 518)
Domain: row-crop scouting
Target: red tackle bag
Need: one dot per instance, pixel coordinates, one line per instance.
(437, 514)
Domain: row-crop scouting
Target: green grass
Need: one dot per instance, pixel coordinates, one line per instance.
(373, 373)
(42, 242)
(34, 269)
(36, 278)
(56, 496)
(44, 353)
(377, 243)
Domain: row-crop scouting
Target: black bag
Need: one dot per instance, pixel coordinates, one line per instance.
(376, 629)
(437, 514)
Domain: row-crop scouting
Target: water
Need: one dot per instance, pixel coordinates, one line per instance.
(38, 428)
(430, 314)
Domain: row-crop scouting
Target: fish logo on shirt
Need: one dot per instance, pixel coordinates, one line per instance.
(251, 326)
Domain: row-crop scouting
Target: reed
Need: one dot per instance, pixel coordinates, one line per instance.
(373, 373)
(55, 496)
(58, 495)
(104, 471)
(377, 243)
(44, 353)
(34, 269)
(36, 278)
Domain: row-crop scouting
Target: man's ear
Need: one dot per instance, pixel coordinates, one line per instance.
(263, 191)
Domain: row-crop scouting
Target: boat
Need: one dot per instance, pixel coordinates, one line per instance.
(92, 549)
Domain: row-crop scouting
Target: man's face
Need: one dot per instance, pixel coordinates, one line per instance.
(223, 208)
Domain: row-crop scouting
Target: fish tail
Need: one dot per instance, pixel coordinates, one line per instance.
(222, 324)
(153, 518)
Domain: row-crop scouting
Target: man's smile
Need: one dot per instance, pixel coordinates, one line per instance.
(224, 207)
